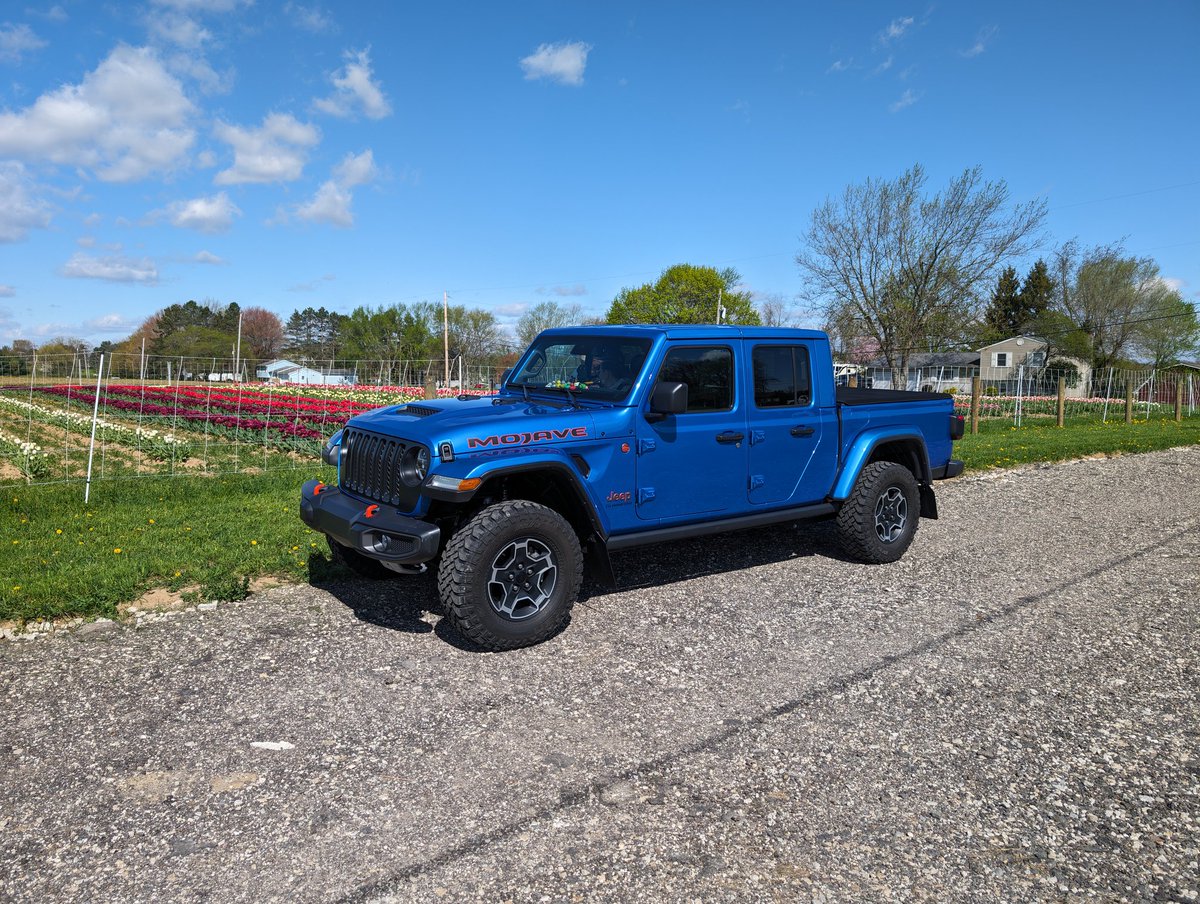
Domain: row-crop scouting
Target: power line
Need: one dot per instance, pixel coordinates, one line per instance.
(1134, 194)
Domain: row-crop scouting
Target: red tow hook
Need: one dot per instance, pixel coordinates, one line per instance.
(317, 489)
(371, 510)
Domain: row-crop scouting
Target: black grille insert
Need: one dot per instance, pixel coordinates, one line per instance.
(371, 469)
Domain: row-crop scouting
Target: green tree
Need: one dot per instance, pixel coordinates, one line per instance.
(1111, 300)
(1005, 315)
(1037, 292)
(547, 315)
(1169, 331)
(313, 334)
(902, 267)
(686, 293)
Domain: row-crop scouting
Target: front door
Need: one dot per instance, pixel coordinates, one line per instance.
(694, 463)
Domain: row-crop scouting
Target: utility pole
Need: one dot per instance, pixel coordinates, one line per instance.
(446, 333)
(720, 307)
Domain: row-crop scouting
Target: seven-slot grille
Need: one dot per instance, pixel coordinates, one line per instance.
(371, 469)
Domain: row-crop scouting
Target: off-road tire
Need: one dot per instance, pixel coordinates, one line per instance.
(363, 566)
(858, 520)
(468, 566)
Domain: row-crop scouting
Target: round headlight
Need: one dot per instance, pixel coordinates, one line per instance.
(414, 466)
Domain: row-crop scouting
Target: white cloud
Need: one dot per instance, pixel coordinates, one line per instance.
(203, 6)
(16, 40)
(54, 14)
(981, 42)
(884, 66)
(176, 29)
(109, 323)
(896, 29)
(569, 291)
(331, 204)
(839, 66)
(200, 71)
(563, 63)
(112, 269)
(20, 210)
(274, 152)
(214, 214)
(355, 90)
(124, 121)
(907, 99)
(207, 257)
(309, 18)
(86, 241)
(206, 159)
(7, 291)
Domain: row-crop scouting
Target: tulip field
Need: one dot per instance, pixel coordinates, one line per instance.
(143, 429)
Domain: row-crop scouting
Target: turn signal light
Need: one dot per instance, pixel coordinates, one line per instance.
(371, 510)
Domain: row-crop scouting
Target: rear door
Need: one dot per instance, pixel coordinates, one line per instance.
(793, 443)
(695, 463)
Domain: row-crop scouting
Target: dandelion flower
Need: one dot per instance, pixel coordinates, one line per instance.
(117, 551)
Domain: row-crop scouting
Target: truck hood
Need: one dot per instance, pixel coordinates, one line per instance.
(483, 424)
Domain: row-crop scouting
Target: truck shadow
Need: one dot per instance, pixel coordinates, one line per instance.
(399, 604)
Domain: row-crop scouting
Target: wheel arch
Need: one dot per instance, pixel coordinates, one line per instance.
(903, 446)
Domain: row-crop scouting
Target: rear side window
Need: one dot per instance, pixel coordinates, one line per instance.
(782, 376)
(708, 373)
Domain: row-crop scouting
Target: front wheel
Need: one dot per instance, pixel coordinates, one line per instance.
(879, 520)
(510, 575)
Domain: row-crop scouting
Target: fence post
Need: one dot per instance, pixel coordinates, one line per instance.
(974, 404)
(1129, 401)
(430, 387)
(1062, 399)
(1179, 400)
(87, 487)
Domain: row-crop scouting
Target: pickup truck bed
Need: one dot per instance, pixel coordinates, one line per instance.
(846, 395)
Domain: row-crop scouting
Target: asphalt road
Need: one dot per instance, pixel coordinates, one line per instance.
(1012, 712)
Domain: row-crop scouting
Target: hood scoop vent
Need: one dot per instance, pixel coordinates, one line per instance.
(420, 410)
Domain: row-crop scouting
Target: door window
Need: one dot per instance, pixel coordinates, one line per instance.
(708, 373)
(782, 377)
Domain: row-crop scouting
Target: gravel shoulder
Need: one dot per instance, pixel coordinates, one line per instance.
(1011, 712)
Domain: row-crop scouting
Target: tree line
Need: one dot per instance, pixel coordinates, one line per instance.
(890, 269)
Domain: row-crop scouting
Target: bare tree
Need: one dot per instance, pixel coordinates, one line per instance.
(774, 310)
(544, 316)
(906, 270)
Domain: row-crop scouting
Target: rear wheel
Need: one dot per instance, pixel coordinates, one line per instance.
(510, 575)
(363, 566)
(879, 520)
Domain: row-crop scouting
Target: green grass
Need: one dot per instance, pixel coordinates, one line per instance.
(61, 558)
(1011, 446)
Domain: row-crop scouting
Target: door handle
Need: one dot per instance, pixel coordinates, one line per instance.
(730, 437)
(802, 430)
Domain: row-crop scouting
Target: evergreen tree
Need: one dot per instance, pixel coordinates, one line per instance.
(1037, 293)
(1004, 315)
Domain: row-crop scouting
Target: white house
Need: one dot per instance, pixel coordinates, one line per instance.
(283, 371)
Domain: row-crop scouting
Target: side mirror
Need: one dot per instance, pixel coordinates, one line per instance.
(667, 398)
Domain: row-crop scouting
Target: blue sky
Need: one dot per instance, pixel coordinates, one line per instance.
(287, 154)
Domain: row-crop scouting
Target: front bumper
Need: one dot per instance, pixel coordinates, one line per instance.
(382, 534)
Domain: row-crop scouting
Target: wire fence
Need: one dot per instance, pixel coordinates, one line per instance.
(1028, 396)
(62, 419)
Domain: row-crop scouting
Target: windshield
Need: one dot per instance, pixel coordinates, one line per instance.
(595, 367)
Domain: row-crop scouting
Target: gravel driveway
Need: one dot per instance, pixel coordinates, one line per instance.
(1012, 712)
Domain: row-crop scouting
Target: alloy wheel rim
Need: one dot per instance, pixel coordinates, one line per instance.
(524, 574)
(891, 515)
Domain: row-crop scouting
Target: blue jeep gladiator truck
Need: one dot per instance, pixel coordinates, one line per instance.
(607, 438)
